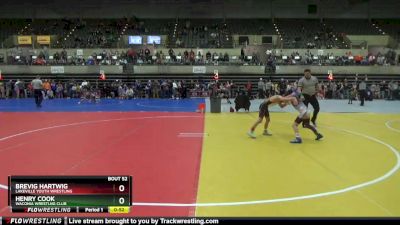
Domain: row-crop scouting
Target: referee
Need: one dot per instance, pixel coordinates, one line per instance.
(362, 90)
(308, 85)
(37, 86)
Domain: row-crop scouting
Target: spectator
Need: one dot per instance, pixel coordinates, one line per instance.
(155, 89)
(227, 89)
(191, 56)
(74, 91)
(268, 88)
(372, 88)
(84, 84)
(242, 54)
(9, 88)
(171, 53)
(129, 93)
(392, 87)
(208, 56)
(60, 90)
(249, 89)
(352, 94)
(46, 87)
(226, 57)
(261, 87)
(282, 87)
(200, 58)
(384, 88)
(147, 54)
(396, 90)
(64, 55)
(148, 89)
(90, 61)
(377, 93)
(50, 94)
(183, 89)
(233, 89)
(18, 88)
(322, 90)
(174, 90)
(185, 56)
(162, 56)
(164, 89)
(2, 90)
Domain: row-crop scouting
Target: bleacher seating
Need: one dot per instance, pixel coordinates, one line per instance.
(251, 26)
(91, 34)
(353, 26)
(309, 34)
(9, 27)
(48, 27)
(391, 27)
(200, 33)
(193, 33)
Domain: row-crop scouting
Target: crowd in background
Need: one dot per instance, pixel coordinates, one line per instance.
(295, 58)
(178, 89)
(343, 89)
(198, 57)
(106, 57)
(132, 56)
(116, 89)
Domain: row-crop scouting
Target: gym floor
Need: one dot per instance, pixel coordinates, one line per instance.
(186, 163)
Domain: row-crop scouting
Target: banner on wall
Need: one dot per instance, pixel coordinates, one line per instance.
(57, 69)
(199, 69)
(24, 40)
(43, 39)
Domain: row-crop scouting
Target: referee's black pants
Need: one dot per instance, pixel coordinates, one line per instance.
(362, 94)
(312, 99)
(38, 97)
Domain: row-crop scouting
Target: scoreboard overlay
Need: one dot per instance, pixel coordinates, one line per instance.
(70, 194)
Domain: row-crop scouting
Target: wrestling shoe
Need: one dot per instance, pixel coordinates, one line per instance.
(297, 140)
(266, 133)
(251, 134)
